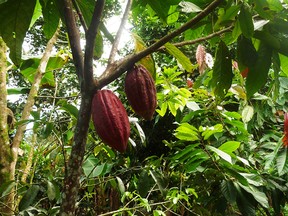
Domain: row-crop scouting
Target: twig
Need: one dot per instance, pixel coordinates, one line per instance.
(198, 40)
(90, 42)
(119, 32)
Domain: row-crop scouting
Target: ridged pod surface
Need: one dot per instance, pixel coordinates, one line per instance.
(141, 91)
(110, 120)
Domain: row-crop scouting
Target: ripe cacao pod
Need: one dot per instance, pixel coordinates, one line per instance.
(110, 120)
(141, 91)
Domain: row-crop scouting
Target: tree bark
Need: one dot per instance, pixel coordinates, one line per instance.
(6, 203)
(74, 168)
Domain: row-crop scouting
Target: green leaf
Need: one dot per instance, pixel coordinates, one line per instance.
(259, 196)
(228, 190)
(281, 160)
(12, 91)
(181, 57)
(159, 180)
(284, 64)
(73, 110)
(269, 39)
(15, 19)
(98, 47)
(230, 146)
(51, 192)
(28, 197)
(209, 131)
(147, 61)
(245, 202)
(247, 113)
(145, 183)
(37, 13)
(258, 74)
(87, 8)
(185, 152)
(6, 188)
(48, 130)
(222, 71)
(51, 17)
(186, 132)
(246, 53)
(173, 15)
(121, 185)
(160, 9)
(89, 164)
(246, 21)
(221, 154)
(227, 16)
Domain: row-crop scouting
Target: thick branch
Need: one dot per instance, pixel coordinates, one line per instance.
(74, 38)
(119, 32)
(113, 71)
(90, 44)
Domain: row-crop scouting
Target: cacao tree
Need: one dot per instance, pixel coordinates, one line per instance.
(217, 120)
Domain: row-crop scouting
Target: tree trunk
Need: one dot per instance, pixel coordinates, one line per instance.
(6, 204)
(74, 168)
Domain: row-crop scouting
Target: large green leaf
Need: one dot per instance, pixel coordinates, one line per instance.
(228, 190)
(180, 56)
(87, 8)
(281, 160)
(145, 183)
(221, 154)
(64, 105)
(246, 22)
(258, 73)
(226, 16)
(51, 17)
(245, 202)
(246, 53)
(15, 19)
(29, 197)
(229, 146)
(222, 71)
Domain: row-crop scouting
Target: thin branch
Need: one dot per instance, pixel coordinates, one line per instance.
(90, 43)
(74, 38)
(81, 18)
(115, 69)
(198, 40)
(119, 32)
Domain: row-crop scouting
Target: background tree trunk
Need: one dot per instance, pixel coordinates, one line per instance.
(6, 204)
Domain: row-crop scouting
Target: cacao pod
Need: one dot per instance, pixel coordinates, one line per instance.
(110, 120)
(141, 91)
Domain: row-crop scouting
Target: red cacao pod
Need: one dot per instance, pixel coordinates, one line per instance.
(141, 91)
(110, 120)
